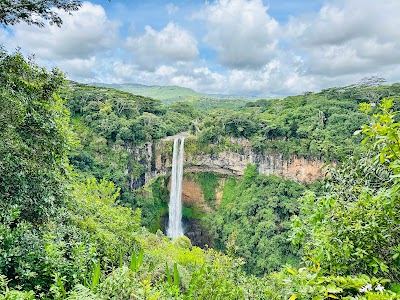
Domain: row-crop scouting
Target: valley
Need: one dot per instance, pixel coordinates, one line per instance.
(291, 142)
(295, 190)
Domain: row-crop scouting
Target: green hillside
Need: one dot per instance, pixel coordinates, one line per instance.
(164, 93)
(173, 94)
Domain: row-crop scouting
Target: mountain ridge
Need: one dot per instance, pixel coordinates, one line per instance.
(142, 88)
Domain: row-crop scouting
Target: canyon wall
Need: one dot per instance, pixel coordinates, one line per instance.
(192, 194)
(234, 162)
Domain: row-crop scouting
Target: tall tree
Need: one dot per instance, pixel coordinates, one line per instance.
(33, 138)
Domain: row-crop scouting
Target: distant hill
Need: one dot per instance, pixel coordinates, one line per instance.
(163, 93)
(172, 94)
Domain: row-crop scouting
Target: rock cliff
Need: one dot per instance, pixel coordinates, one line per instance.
(234, 162)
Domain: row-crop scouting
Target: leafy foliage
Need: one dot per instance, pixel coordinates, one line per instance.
(253, 221)
(13, 12)
(385, 133)
(310, 283)
(352, 237)
(357, 231)
(37, 240)
(112, 227)
(312, 125)
(33, 140)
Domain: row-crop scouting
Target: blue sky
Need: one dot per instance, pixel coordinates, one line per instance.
(243, 47)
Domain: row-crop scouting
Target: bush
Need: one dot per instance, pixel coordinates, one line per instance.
(309, 283)
(113, 228)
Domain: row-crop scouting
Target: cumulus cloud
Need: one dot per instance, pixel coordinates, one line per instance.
(171, 8)
(282, 75)
(82, 34)
(234, 46)
(348, 37)
(200, 78)
(171, 44)
(242, 33)
(278, 77)
(78, 67)
(185, 74)
(126, 72)
(123, 72)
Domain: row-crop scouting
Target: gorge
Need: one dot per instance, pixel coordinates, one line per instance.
(243, 171)
(204, 176)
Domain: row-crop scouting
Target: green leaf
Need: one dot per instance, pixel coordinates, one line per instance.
(382, 158)
(176, 275)
(331, 288)
(121, 262)
(133, 265)
(169, 279)
(140, 258)
(95, 276)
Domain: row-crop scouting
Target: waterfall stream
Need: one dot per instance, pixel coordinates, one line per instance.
(175, 200)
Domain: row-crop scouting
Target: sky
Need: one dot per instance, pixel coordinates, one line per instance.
(261, 48)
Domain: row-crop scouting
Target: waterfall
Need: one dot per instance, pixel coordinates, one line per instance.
(175, 200)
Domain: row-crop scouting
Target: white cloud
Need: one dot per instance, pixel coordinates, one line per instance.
(78, 67)
(242, 33)
(349, 37)
(165, 71)
(282, 75)
(255, 55)
(171, 44)
(82, 34)
(200, 79)
(122, 72)
(171, 8)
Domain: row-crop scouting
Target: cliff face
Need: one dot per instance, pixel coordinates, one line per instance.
(297, 169)
(234, 162)
(192, 194)
(144, 157)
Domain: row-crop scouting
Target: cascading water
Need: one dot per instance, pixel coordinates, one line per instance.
(175, 200)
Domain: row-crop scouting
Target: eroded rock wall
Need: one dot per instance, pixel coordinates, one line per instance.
(192, 194)
(234, 162)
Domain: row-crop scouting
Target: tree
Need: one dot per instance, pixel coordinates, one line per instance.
(252, 221)
(35, 12)
(372, 81)
(385, 133)
(112, 226)
(34, 138)
(355, 227)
